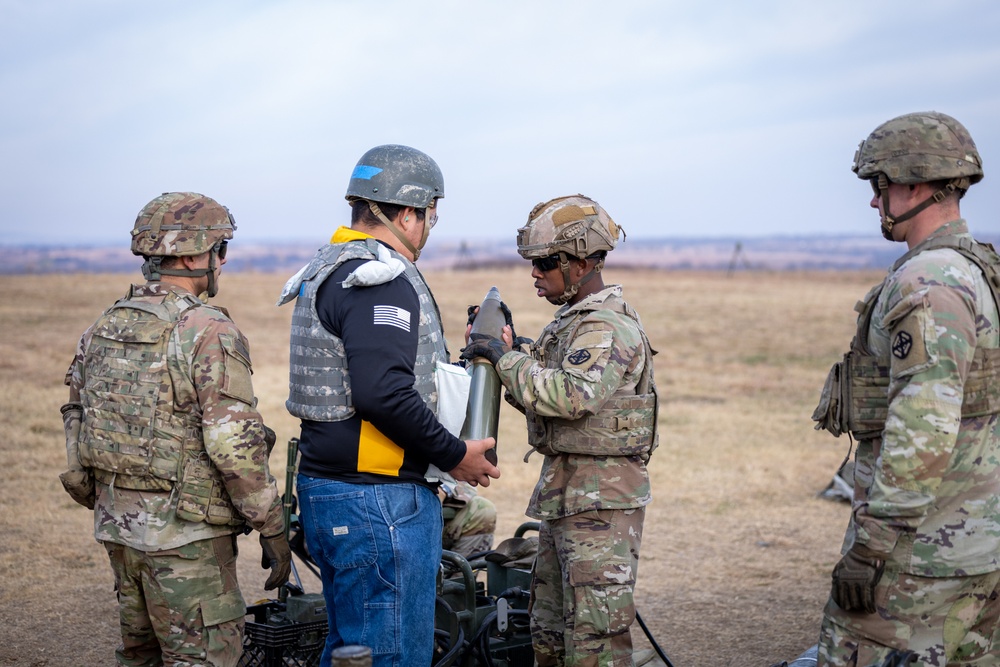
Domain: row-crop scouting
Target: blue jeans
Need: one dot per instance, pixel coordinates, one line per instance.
(378, 548)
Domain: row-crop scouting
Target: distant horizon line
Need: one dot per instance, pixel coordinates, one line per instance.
(779, 252)
(644, 240)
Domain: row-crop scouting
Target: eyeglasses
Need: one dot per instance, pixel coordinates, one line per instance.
(221, 248)
(430, 217)
(545, 264)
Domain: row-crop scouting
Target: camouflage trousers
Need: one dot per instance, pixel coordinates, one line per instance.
(470, 531)
(946, 621)
(582, 604)
(179, 607)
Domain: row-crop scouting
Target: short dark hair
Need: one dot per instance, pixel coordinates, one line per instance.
(362, 216)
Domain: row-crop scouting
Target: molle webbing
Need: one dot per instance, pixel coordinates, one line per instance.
(624, 426)
(127, 435)
(862, 391)
(866, 395)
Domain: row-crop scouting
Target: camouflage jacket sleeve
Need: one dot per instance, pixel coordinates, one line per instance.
(74, 374)
(926, 322)
(218, 365)
(592, 369)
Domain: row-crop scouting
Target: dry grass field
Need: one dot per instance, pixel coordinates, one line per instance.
(737, 550)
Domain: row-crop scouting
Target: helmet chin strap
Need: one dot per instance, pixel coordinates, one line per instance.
(377, 212)
(213, 284)
(152, 270)
(889, 221)
(571, 290)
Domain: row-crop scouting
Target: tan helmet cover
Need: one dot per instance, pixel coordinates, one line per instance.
(575, 225)
(177, 224)
(918, 148)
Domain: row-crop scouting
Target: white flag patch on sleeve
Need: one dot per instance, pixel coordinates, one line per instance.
(393, 316)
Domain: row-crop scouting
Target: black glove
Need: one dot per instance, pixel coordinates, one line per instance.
(518, 340)
(855, 578)
(270, 437)
(481, 345)
(473, 310)
(277, 557)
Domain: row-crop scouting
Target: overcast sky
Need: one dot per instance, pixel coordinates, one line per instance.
(733, 118)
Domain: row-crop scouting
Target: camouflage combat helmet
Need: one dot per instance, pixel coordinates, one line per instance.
(918, 148)
(569, 227)
(399, 175)
(576, 225)
(179, 224)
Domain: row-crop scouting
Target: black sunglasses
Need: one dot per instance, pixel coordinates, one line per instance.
(545, 264)
(221, 248)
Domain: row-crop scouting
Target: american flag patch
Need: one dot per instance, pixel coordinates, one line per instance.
(393, 316)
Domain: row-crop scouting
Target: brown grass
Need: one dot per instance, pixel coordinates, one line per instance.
(737, 550)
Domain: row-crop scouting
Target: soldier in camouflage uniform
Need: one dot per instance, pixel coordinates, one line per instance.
(165, 445)
(366, 341)
(470, 520)
(588, 393)
(920, 392)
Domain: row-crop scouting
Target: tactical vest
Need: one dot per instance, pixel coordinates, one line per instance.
(855, 398)
(131, 436)
(319, 380)
(626, 423)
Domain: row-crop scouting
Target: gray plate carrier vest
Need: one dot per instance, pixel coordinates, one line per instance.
(319, 380)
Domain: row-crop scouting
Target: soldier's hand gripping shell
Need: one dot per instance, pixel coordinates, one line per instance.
(518, 341)
(855, 578)
(473, 310)
(488, 347)
(277, 557)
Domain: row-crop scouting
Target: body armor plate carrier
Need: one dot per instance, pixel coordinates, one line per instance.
(131, 436)
(626, 423)
(855, 398)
